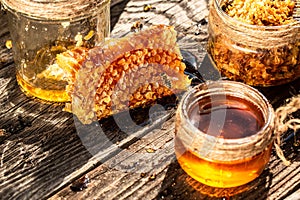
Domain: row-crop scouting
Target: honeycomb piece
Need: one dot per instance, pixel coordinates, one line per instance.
(124, 73)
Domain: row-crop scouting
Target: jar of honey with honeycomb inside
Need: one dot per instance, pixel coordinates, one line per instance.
(224, 133)
(41, 29)
(255, 42)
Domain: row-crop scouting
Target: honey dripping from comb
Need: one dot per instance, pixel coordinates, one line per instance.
(228, 118)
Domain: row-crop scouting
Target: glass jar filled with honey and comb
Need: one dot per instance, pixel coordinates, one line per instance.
(41, 29)
(224, 133)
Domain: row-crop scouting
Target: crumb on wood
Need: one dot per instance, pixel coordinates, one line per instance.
(143, 175)
(148, 7)
(150, 150)
(2, 132)
(152, 177)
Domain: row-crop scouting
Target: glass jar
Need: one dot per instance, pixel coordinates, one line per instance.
(41, 29)
(255, 55)
(224, 133)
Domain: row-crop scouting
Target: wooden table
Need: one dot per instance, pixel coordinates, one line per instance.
(43, 150)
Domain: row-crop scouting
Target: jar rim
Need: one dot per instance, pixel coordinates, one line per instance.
(254, 143)
(251, 26)
(54, 10)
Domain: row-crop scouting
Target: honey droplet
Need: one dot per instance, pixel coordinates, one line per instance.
(152, 177)
(8, 44)
(150, 150)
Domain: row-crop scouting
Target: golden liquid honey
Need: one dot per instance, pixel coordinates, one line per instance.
(224, 133)
(222, 174)
(40, 77)
(42, 29)
(58, 95)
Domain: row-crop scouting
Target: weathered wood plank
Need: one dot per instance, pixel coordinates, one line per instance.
(294, 196)
(132, 7)
(34, 159)
(124, 173)
(44, 156)
(39, 160)
(5, 53)
(123, 180)
(128, 177)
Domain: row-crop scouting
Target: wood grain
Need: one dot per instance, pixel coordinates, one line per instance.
(43, 149)
(116, 181)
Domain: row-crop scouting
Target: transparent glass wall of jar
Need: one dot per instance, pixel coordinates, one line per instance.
(42, 29)
(224, 133)
(255, 55)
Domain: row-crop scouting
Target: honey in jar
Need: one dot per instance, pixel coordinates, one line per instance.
(224, 133)
(41, 29)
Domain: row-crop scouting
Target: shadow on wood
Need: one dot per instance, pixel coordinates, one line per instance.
(39, 143)
(115, 11)
(278, 94)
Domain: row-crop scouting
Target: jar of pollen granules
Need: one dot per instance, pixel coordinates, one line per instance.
(255, 42)
(224, 133)
(41, 29)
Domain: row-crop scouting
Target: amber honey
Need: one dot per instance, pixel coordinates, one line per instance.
(42, 29)
(41, 78)
(218, 128)
(58, 95)
(231, 117)
(222, 174)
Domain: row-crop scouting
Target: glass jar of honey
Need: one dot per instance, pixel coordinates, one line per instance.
(250, 46)
(41, 29)
(224, 133)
